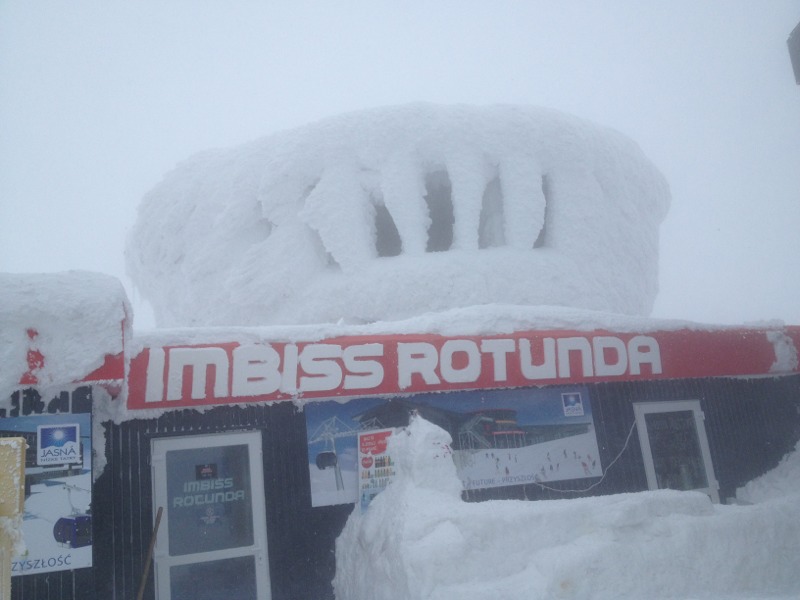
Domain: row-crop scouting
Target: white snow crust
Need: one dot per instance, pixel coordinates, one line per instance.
(783, 480)
(786, 359)
(78, 318)
(492, 319)
(419, 541)
(392, 212)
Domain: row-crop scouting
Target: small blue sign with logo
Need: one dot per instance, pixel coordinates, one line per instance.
(58, 445)
(573, 404)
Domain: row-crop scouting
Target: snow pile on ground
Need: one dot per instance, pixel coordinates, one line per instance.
(783, 480)
(392, 212)
(419, 541)
(57, 327)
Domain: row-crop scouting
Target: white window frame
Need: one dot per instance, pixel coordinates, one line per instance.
(641, 409)
(161, 557)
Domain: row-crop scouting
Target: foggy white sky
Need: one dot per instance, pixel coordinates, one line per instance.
(99, 100)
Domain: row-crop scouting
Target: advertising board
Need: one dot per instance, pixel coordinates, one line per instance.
(499, 437)
(57, 524)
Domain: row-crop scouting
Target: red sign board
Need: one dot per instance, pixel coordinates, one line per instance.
(214, 374)
(373, 443)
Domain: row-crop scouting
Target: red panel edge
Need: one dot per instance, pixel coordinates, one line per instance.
(793, 331)
(113, 368)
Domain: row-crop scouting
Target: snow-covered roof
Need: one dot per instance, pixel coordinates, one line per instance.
(389, 213)
(481, 347)
(56, 329)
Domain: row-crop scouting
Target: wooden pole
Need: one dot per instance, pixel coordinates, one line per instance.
(146, 572)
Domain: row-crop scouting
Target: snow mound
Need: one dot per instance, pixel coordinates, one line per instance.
(419, 541)
(389, 213)
(57, 327)
(783, 480)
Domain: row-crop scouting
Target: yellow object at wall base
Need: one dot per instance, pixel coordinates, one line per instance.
(12, 499)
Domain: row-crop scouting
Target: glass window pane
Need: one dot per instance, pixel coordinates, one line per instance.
(233, 578)
(675, 446)
(209, 496)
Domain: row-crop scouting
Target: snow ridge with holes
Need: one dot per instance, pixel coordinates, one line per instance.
(389, 213)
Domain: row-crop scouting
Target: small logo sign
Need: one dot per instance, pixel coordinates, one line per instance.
(208, 471)
(58, 445)
(573, 404)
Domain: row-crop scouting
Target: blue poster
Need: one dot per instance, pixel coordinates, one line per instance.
(500, 437)
(57, 518)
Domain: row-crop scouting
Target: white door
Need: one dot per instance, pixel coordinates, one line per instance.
(212, 541)
(675, 447)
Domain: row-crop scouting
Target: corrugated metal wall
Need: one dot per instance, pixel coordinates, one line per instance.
(300, 538)
(750, 424)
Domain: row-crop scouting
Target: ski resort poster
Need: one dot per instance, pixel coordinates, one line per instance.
(500, 437)
(375, 463)
(57, 522)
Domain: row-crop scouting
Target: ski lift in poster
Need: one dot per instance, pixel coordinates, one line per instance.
(327, 460)
(75, 529)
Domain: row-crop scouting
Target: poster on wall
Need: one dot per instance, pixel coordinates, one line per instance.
(500, 437)
(376, 465)
(57, 522)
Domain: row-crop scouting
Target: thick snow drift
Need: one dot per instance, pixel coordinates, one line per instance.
(419, 541)
(783, 480)
(389, 213)
(56, 328)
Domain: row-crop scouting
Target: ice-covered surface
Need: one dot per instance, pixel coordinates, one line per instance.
(388, 213)
(475, 320)
(786, 355)
(419, 541)
(11, 530)
(781, 481)
(57, 328)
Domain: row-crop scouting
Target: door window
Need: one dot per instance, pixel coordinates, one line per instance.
(213, 540)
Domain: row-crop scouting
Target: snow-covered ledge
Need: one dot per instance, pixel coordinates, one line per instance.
(58, 328)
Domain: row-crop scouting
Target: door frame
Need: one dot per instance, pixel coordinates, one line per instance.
(641, 409)
(162, 561)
